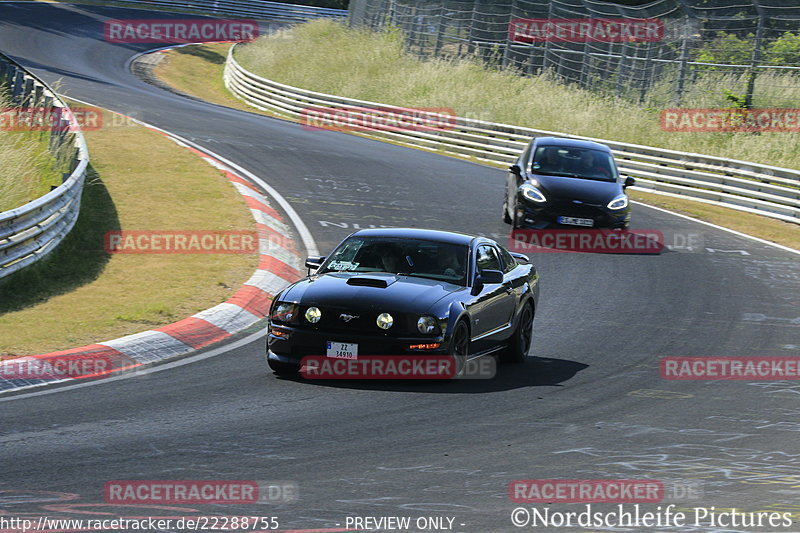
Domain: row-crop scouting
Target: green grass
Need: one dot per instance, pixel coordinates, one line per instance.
(329, 57)
(138, 180)
(27, 168)
(199, 66)
(785, 233)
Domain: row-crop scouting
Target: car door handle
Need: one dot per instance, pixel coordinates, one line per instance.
(509, 290)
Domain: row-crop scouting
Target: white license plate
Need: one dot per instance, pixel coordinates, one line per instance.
(576, 221)
(342, 350)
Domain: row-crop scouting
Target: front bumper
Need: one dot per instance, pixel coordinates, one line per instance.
(298, 343)
(546, 215)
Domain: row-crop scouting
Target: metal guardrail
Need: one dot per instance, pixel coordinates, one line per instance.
(30, 232)
(742, 185)
(257, 9)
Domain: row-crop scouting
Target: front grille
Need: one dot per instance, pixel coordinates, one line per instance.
(570, 209)
(363, 323)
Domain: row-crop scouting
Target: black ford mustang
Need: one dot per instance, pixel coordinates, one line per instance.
(566, 183)
(403, 291)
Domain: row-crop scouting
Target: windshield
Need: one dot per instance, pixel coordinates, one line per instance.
(410, 257)
(574, 162)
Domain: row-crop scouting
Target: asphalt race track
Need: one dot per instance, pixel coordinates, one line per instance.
(588, 404)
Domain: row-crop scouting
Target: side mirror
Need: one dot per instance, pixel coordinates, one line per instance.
(486, 277)
(314, 262)
(522, 258)
(515, 170)
(629, 182)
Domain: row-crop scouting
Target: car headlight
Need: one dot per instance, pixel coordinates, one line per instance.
(532, 193)
(427, 325)
(313, 314)
(385, 321)
(284, 312)
(620, 202)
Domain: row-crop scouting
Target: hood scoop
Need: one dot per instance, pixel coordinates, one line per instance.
(380, 282)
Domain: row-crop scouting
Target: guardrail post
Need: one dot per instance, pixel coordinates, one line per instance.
(17, 86)
(8, 77)
(27, 92)
(623, 55)
(754, 59)
(437, 43)
(38, 91)
(471, 31)
(392, 21)
(684, 63)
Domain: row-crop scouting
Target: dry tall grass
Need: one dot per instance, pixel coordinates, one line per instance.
(329, 57)
(27, 169)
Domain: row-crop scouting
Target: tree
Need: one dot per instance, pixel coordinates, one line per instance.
(726, 48)
(785, 50)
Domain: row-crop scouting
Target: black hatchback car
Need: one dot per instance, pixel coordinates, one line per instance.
(566, 183)
(398, 291)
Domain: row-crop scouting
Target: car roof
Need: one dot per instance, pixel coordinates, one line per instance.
(571, 143)
(417, 233)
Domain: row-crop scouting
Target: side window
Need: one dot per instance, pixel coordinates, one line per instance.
(508, 261)
(524, 161)
(486, 258)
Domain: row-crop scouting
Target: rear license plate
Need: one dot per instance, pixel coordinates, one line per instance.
(342, 350)
(572, 221)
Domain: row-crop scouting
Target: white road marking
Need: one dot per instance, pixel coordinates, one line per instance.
(738, 233)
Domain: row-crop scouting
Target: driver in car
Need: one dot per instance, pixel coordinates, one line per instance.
(592, 165)
(388, 257)
(449, 264)
(550, 161)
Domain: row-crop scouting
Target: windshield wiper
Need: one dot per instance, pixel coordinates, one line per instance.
(414, 275)
(556, 173)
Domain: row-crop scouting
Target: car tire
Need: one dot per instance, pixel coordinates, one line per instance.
(517, 349)
(284, 369)
(516, 221)
(506, 216)
(459, 346)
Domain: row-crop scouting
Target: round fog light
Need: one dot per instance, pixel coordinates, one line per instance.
(426, 324)
(313, 314)
(385, 321)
